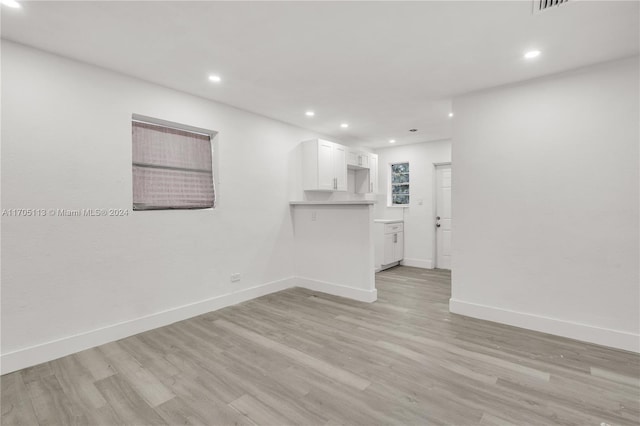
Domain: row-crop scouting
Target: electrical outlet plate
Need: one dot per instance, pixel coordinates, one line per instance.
(235, 277)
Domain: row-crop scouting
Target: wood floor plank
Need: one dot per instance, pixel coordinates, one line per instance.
(77, 382)
(17, 408)
(258, 412)
(52, 405)
(634, 382)
(128, 367)
(78, 385)
(129, 406)
(297, 356)
(37, 372)
(95, 363)
(303, 357)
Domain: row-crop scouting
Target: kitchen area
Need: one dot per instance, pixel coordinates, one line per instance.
(356, 212)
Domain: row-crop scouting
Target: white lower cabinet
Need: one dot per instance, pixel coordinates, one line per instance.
(393, 248)
(389, 243)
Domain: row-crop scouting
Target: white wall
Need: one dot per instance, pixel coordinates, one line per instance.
(419, 231)
(334, 249)
(74, 282)
(545, 205)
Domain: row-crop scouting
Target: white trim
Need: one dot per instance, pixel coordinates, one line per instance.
(388, 266)
(418, 263)
(173, 125)
(43, 352)
(573, 330)
(54, 349)
(338, 290)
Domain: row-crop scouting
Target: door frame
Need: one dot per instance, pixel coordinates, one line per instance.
(435, 207)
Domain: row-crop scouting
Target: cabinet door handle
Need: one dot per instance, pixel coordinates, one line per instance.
(395, 238)
(359, 160)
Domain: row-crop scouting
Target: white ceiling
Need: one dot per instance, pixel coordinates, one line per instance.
(383, 67)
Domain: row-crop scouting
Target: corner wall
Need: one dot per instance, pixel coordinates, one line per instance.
(69, 283)
(545, 205)
(334, 250)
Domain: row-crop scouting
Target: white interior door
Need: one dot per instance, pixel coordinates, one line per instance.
(443, 217)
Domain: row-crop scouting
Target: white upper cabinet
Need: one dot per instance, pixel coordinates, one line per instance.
(366, 178)
(373, 173)
(358, 159)
(326, 178)
(324, 166)
(340, 166)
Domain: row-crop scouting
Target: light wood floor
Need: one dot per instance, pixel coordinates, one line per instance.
(300, 357)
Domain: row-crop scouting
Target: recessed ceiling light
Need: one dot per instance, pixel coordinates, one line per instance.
(11, 3)
(450, 114)
(309, 113)
(532, 54)
(344, 125)
(215, 78)
(392, 141)
(413, 130)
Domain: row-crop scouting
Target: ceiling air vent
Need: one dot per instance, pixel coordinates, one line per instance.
(542, 5)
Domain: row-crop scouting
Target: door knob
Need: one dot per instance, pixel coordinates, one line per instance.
(437, 225)
(437, 217)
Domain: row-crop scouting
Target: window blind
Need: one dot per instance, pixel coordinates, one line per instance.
(171, 168)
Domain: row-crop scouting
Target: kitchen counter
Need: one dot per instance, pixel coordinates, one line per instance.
(345, 202)
(388, 220)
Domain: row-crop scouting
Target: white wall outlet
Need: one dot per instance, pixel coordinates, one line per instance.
(314, 216)
(235, 277)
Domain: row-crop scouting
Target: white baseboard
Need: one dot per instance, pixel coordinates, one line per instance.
(418, 263)
(55, 349)
(588, 333)
(338, 290)
(48, 351)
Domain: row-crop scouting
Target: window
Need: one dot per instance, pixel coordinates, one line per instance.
(399, 184)
(172, 167)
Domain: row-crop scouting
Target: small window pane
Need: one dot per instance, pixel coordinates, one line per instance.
(399, 178)
(400, 189)
(400, 168)
(400, 199)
